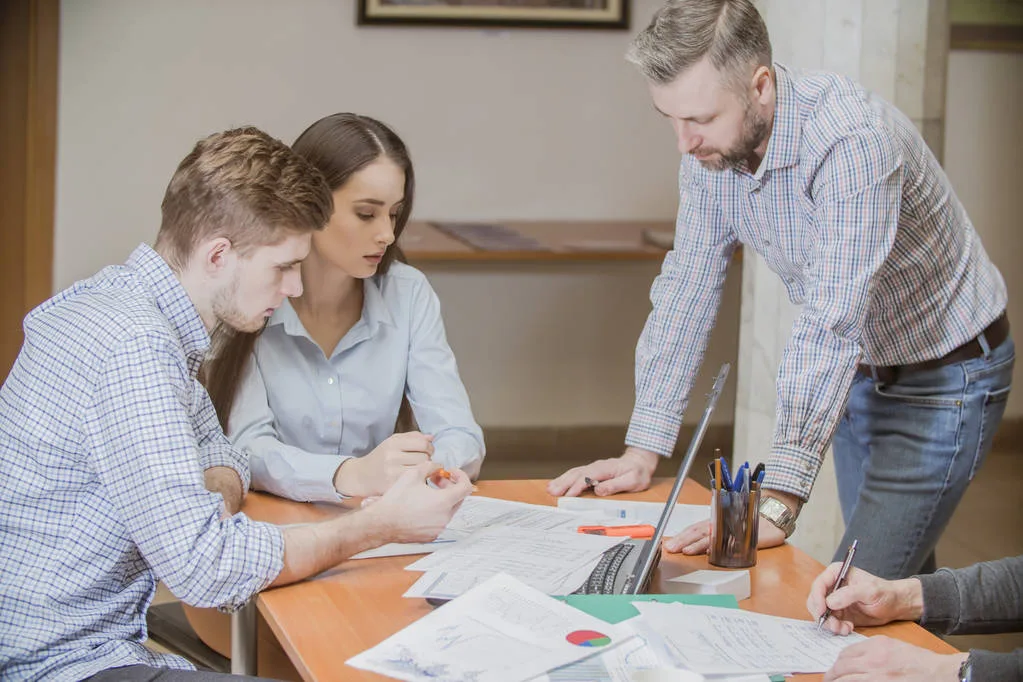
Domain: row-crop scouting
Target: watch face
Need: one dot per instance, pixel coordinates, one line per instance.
(779, 514)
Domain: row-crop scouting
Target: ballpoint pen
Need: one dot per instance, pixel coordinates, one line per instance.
(842, 573)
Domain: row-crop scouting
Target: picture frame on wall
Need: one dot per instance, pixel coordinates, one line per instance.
(589, 14)
(992, 25)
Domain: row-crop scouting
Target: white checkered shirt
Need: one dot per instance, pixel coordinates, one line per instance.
(104, 437)
(851, 209)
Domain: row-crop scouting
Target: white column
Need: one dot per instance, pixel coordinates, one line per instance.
(899, 49)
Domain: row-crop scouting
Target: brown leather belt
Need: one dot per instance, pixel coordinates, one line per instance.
(994, 334)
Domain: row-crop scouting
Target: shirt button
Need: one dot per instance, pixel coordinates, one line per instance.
(330, 381)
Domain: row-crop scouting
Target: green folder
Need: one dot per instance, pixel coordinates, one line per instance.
(614, 608)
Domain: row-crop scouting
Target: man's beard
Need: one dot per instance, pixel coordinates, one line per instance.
(755, 129)
(227, 312)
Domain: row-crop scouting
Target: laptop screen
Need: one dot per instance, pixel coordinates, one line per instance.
(649, 555)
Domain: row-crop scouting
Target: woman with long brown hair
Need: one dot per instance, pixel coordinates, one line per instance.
(315, 397)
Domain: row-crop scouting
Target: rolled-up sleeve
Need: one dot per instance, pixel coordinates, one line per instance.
(142, 446)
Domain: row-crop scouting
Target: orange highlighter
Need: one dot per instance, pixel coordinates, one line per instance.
(641, 531)
(444, 473)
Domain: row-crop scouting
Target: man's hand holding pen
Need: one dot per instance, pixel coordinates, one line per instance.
(863, 600)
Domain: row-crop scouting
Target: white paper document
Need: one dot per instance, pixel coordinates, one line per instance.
(616, 665)
(643, 652)
(554, 563)
(716, 641)
(502, 631)
(623, 512)
(478, 512)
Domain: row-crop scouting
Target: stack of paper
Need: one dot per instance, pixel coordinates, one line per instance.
(476, 513)
(502, 631)
(716, 641)
(556, 563)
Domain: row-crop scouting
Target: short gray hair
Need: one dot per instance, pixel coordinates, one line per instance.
(731, 32)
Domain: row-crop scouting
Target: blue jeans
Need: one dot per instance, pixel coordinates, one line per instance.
(905, 452)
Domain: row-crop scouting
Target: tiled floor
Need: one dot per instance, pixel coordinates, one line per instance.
(987, 525)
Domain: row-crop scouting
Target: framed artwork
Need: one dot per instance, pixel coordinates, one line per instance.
(995, 25)
(607, 14)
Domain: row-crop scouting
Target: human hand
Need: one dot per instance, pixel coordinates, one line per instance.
(374, 473)
(412, 511)
(864, 599)
(631, 472)
(695, 539)
(883, 658)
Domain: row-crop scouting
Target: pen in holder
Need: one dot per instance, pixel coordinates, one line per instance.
(734, 521)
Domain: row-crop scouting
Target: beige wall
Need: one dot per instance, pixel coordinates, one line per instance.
(501, 124)
(983, 141)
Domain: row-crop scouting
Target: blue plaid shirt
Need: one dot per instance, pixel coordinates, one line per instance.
(104, 437)
(851, 209)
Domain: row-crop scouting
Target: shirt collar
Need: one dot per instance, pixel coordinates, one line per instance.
(374, 314)
(172, 300)
(783, 147)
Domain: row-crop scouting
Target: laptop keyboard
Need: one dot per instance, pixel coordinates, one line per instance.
(602, 579)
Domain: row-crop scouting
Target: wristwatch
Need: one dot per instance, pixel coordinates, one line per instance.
(778, 513)
(966, 670)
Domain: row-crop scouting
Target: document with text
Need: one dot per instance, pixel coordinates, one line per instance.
(501, 631)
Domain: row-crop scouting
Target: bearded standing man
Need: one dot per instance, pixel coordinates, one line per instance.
(901, 357)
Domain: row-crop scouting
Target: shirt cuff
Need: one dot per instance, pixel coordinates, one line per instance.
(791, 470)
(464, 456)
(989, 666)
(319, 479)
(653, 430)
(941, 600)
(266, 557)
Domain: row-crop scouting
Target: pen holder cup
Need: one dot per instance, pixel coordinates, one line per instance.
(733, 530)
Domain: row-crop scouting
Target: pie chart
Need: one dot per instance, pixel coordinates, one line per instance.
(588, 638)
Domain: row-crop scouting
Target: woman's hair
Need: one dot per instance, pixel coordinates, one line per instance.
(339, 146)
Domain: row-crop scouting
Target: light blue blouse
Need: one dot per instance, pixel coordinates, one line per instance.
(300, 414)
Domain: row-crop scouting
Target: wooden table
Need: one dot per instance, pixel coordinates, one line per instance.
(320, 623)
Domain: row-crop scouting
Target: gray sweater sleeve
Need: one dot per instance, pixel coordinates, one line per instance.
(983, 598)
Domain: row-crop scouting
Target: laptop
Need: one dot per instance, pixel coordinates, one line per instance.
(628, 568)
